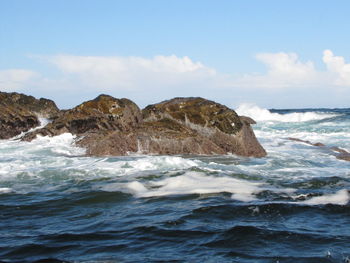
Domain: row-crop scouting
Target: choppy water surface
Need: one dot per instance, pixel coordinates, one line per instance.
(292, 206)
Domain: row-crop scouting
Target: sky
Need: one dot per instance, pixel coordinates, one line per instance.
(271, 53)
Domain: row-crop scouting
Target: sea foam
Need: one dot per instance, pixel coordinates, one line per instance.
(5, 190)
(43, 122)
(197, 183)
(260, 114)
(341, 197)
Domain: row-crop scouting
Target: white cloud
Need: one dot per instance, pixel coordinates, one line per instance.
(80, 64)
(284, 70)
(148, 80)
(286, 65)
(337, 67)
(131, 72)
(16, 79)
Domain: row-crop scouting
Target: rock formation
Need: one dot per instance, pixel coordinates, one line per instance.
(198, 126)
(19, 113)
(110, 126)
(102, 115)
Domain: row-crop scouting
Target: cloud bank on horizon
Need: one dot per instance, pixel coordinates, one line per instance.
(147, 79)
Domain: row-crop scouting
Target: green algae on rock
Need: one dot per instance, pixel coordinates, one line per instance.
(219, 130)
(104, 113)
(109, 126)
(197, 111)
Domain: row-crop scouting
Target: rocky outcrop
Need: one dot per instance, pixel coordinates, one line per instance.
(211, 128)
(177, 126)
(100, 116)
(19, 113)
(196, 113)
(110, 126)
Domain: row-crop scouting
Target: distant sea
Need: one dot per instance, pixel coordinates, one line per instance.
(292, 206)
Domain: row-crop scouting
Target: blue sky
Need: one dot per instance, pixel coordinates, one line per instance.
(276, 54)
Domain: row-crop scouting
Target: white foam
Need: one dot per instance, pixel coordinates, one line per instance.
(23, 160)
(161, 162)
(341, 197)
(5, 190)
(61, 144)
(197, 183)
(136, 188)
(43, 122)
(46, 155)
(260, 114)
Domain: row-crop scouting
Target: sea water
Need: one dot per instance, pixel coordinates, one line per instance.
(56, 205)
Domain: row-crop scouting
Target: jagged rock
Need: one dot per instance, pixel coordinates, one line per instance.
(215, 128)
(109, 126)
(19, 113)
(102, 115)
(197, 113)
(167, 136)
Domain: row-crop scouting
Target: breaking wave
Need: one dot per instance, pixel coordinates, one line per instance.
(43, 122)
(260, 114)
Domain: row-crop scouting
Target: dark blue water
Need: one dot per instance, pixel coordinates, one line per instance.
(292, 206)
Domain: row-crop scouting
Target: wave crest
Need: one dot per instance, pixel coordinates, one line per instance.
(261, 114)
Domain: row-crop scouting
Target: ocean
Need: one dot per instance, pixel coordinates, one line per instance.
(292, 206)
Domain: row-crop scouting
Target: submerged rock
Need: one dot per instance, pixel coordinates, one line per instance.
(110, 126)
(20, 113)
(339, 153)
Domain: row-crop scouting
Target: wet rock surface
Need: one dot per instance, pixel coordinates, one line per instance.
(196, 111)
(102, 115)
(109, 126)
(20, 113)
(212, 128)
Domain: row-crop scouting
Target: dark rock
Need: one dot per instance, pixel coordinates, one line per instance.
(167, 136)
(102, 115)
(339, 150)
(211, 128)
(339, 153)
(344, 156)
(108, 143)
(318, 144)
(247, 120)
(109, 126)
(19, 113)
(196, 112)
